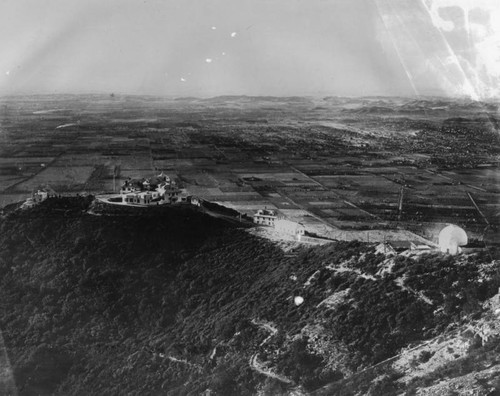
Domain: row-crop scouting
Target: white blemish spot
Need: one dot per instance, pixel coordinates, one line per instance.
(223, 54)
(183, 79)
(233, 34)
(214, 27)
(298, 300)
(208, 60)
(7, 72)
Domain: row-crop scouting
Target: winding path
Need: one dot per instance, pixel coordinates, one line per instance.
(7, 383)
(254, 361)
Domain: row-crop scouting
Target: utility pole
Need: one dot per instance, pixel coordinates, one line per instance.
(400, 204)
(477, 208)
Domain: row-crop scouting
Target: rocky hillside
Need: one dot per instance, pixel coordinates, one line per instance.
(173, 301)
(463, 360)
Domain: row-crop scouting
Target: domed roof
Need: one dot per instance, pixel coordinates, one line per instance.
(451, 238)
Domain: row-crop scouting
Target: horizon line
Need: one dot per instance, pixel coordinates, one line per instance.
(325, 95)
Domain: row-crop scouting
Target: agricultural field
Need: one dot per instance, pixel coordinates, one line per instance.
(337, 166)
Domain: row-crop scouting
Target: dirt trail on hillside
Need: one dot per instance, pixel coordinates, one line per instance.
(7, 383)
(254, 361)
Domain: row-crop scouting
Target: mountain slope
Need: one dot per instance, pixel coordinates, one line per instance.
(172, 301)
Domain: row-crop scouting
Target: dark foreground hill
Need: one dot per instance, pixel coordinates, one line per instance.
(173, 301)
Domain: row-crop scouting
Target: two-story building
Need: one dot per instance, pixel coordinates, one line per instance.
(265, 217)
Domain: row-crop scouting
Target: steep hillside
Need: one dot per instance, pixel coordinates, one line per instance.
(173, 301)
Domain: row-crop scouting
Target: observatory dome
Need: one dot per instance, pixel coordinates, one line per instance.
(451, 238)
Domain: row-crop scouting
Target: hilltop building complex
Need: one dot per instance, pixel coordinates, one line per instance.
(153, 191)
(37, 197)
(157, 190)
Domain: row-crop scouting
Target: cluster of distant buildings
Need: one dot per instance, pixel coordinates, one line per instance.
(451, 240)
(152, 191)
(37, 197)
(157, 190)
(161, 190)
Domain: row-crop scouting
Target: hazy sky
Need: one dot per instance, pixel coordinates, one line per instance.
(253, 47)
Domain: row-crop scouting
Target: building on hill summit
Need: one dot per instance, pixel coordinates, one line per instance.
(265, 217)
(283, 226)
(39, 196)
(153, 191)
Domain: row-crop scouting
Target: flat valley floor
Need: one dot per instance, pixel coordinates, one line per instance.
(371, 169)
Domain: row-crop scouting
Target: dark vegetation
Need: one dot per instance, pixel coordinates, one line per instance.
(382, 379)
(160, 301)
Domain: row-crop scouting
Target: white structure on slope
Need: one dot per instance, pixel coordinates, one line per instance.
(265, 217)
(290, 228)
(451, 238)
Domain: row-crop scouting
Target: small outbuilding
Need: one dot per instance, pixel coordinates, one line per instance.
(290, 228)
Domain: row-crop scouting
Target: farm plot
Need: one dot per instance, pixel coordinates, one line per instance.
(6, 199)
(193, 153)
(383, 170)
(318, 195)
(387, 211)
(361, 183)
(424, 181)
(21, 161)
(40, 150)
(444, 194)
(59, 178)
(204, 192)
(202, 179)
(135, 162)
(352, 214)
(230, 197)
(282, 203)
(288, 177)
(76, 160)
(137, 173)
(452, 214)
(17, 170)
(108, 186)
(173, 163)
(486, 179)
(7, 181)
(325, 204)
(204, 162)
